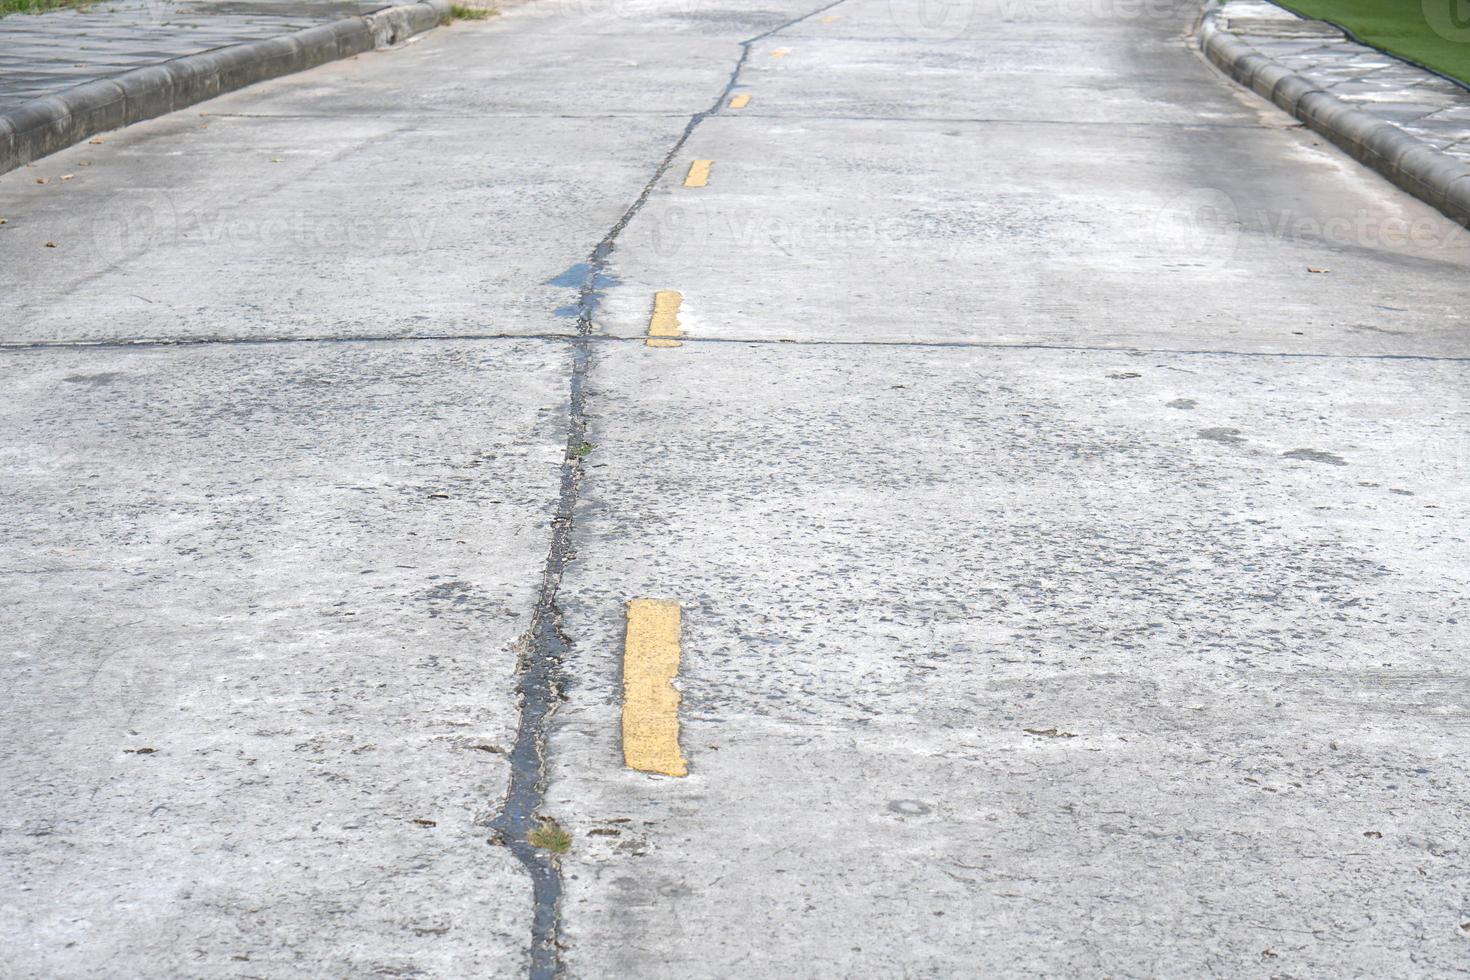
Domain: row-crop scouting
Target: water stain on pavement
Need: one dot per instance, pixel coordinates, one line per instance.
(1315, 456)
(577, 277)
(1227, 436)
(910, 808)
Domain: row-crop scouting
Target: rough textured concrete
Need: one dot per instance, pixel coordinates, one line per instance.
(1006, 651)
(1011, 204)
(261, 607)
(1215, 580)
(1042, 663)
(454, 205)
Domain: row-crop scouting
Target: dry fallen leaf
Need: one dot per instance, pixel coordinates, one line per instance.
(1314, 269)
(43, 180)
(96, 140)
(68, 176)
(3, 221)
(1049, 733)
(50, 244)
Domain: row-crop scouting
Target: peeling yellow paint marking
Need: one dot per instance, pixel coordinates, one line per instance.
(650, 700)
(698, 173)
(780, 52)
(663, 326)
(740, 102)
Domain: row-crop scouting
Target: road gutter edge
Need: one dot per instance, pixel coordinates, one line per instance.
(43, 126)
(1436, 178)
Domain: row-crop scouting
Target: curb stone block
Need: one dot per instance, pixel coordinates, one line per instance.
(95, 106)
(39, 127)
(1429, 174)
(1290, 90)
(1321, 111)
(353, 37)
(1457, 200)
(325, 43)
(148, 92)
(1267, 77)
(1247, 67)
(191, 82)
(1385, 144)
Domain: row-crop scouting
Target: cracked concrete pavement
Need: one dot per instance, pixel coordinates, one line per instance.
(1063, 478)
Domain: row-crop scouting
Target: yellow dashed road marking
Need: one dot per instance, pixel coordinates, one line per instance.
(664, 325)
(698, 173)
(740, 102)
(780, 52)
(650, 701)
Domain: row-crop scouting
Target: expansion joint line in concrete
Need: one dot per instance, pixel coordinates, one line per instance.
(576, 340)
(542, 647)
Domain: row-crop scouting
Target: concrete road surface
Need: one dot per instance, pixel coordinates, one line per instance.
(1058, 459)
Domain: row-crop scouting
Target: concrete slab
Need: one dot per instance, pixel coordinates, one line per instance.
(261, 611)
(393, 210)
(1005, 652)
(1034, 233)
(1023, 663)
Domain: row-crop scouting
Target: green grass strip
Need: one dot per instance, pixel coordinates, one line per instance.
(37, 6)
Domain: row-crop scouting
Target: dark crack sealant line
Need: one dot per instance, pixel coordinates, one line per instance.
(541, 649)
(26, 347)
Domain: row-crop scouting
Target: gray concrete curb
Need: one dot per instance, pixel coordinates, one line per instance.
(1434, 177)
(41, 126)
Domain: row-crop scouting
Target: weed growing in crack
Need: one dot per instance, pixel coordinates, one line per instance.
(551, 837)
(461, 12)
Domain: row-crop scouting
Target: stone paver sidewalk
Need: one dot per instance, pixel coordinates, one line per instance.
(1422, 103)
(42, 54)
